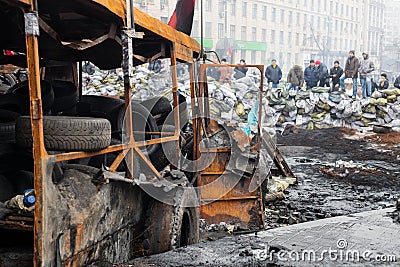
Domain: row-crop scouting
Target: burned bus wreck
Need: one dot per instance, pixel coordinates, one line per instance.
(115, 178)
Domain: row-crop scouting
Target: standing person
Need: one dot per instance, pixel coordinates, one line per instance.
(225, 73)
(351, 71)
(295, 78)
(273, 73)
(365, 69)
(322, 74)
(397, 82)
(335, 73)
(240, 72)
(384, 83)
(310, 75)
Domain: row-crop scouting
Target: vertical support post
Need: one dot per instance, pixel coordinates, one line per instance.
(175, 97)
(127, 66)
(195, 108)
(39, 152)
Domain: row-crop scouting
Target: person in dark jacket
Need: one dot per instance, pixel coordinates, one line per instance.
(240, 72)
(322, 74)
(397, 82)
(384, 83)
(155, 65)
(310, 75)
(273, 73)
(295, 78)
(335, 73)
(351, 71)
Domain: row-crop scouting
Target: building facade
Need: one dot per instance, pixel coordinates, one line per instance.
(290, 31)
(391, 50)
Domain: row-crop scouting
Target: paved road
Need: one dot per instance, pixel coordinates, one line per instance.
(363, 239)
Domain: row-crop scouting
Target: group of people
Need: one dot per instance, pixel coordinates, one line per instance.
(317, 74)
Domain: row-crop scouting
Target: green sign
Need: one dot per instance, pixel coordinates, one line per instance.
(207, 43)
(242, 45)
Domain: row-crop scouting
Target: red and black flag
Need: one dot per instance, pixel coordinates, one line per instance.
(182, 18)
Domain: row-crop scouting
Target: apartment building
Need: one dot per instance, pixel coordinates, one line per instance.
(391, 49)
(291, 31)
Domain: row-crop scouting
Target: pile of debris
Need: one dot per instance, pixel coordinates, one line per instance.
(318, 108)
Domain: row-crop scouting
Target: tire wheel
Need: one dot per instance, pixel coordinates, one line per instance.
(65, 96)
(98, 105)
(160, 157)
(7, 190)
(7, 126)
(183, 114)
(21, 180)
(142, 121)
(6, 81)
(170, 227)
(159, 107)
(21, 91)
(13, 157)
(11, 103)
(67, 133)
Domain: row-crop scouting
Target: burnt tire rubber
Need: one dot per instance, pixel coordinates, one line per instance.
(99, 105)
(170, 226)
(159, 107)
(142, 121)
(7, 126)
(161, 157)
(6, 81)
(67, 133)
(7, 190)
(21, 91)
(66, 96)
(21, 180)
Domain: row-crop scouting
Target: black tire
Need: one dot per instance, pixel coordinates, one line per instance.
(170, 227)
(21, 90)
(11, 102)
(21, 180)
(67, 133)
(142, 121)
(159, 107)
(7, 126)
(6, 81)
(13, 157)
(66, 96)
(7, 190)
(183, 114)
(93, 104)
(160, 157)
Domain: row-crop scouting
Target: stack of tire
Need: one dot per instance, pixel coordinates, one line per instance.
(63, 131)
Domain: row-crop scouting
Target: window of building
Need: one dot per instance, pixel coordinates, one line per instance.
(290, 17)
(297, 39)
(232, 32)
(254, 13)
(244, 9)
(164, 19)
(253, 57)
(208, 30)
(281, 37)
(337, 8)
(305, 3)
(289, 38)
(264, 13)
(195, 29)
(272, 37)
(280, 58)
(319, 22)
(352, 12)
(342, 9)
(304, 39)
(263, 57)
(233, 7)
(289, 59)
(243, 54)
(325, 4)
(253, 34)
(298, 18)
(347, 10)
(272, 55)
(208, 5)
(243, 33)
(263, 35)
(297, 59)
(341, 26)
(282, 16)
(221, 30)
(273, 14)
(331, 7)
(319, 5)
(305, 20)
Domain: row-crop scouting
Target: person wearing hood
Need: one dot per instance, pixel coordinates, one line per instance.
(240, 72)
(310, 75)
(322, 74)
(397, 82)
(295, 78)
(384, 83)
(273, 73)
(365, 69)
(335, 73)
(351, 71)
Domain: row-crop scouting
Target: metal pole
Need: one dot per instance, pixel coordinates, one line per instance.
(127, 66)
(39, 152)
